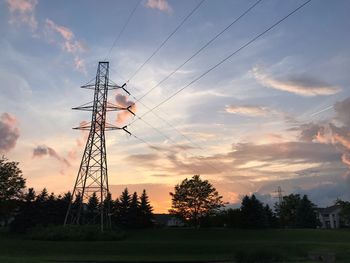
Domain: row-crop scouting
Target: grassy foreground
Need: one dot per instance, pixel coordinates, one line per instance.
(181, 245)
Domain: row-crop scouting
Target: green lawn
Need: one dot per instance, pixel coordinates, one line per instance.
(181, 245)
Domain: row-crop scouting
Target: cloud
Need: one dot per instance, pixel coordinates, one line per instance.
(286, 152)
(67, 41)
(23, 12)
(123, 102)
(249, 110)
(331, 134)
(161, 5)
(9, 132)
(43, 150)
(342, 109)
(301, 86)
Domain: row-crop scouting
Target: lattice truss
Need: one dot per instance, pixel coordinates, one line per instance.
(93, 173)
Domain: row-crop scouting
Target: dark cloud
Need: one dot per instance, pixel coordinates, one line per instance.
(287, 151)
(9, 132)
(342, 109)
(300, 85)
(43, 150)
(309, 131)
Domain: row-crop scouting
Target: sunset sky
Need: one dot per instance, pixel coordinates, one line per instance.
(274, 114)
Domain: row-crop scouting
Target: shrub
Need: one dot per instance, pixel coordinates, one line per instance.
(74, 233)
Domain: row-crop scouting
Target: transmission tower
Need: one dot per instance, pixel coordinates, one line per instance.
(93, 174)
(279, 194)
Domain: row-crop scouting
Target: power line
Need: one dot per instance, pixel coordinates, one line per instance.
(195, 54)
(174, 142)
(166, 40)
(123, 28)
(225, 59)
(201, 49)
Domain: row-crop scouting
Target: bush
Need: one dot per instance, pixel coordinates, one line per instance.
(74, 233)
(257, 257)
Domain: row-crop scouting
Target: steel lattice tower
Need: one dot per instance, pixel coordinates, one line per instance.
(93, 174)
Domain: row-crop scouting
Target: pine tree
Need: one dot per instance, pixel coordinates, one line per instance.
(145, 210)
(134, 211)
(252, 213)
(306, 215)
(92, 208)
(124, 207)
(43, 196)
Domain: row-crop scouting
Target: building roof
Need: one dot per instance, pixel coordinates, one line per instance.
(329, 209)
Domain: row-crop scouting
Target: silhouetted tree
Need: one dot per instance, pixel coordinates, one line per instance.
(12, 184)
(287, 210)
(306, 216)
(271, 217)
(145, 210)
(345, 211)
(134, 211)
(253, 213)
(92, 208)
(295, 211)
(234, 218)
(195, 199)
(124, 207)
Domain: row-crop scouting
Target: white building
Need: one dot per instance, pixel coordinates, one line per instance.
(329, 216)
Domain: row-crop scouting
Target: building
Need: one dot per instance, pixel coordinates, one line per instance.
(166, 220)
(329, 217)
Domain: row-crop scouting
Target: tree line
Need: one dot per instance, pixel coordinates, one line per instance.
(198, 203)
(22, 210)
(195, 201)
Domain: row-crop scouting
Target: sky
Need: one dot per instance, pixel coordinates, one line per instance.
(274, 114)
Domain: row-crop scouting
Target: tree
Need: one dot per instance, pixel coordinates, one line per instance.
(92, 208)
(344, 212)
(287, 210)
(295, 211)
(134, 210)
(124, 206)
(145, 210)
(12, 184)
(195, 199)
(253, 213)
(306, 216)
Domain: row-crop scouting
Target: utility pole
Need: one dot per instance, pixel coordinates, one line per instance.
(93, 173)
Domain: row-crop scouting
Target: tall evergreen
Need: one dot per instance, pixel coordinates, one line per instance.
(124, 206)
(306, 214)
(253, 213)
(134, 211)
(145, 210)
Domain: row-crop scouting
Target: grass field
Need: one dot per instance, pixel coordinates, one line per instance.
(181, 245)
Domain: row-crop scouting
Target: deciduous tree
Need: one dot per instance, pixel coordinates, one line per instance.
(194, 199)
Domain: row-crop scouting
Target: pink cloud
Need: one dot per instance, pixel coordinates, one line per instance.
(9, 132)
(161, 5)
(123, 102)
(68, 43)
(22, 12)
